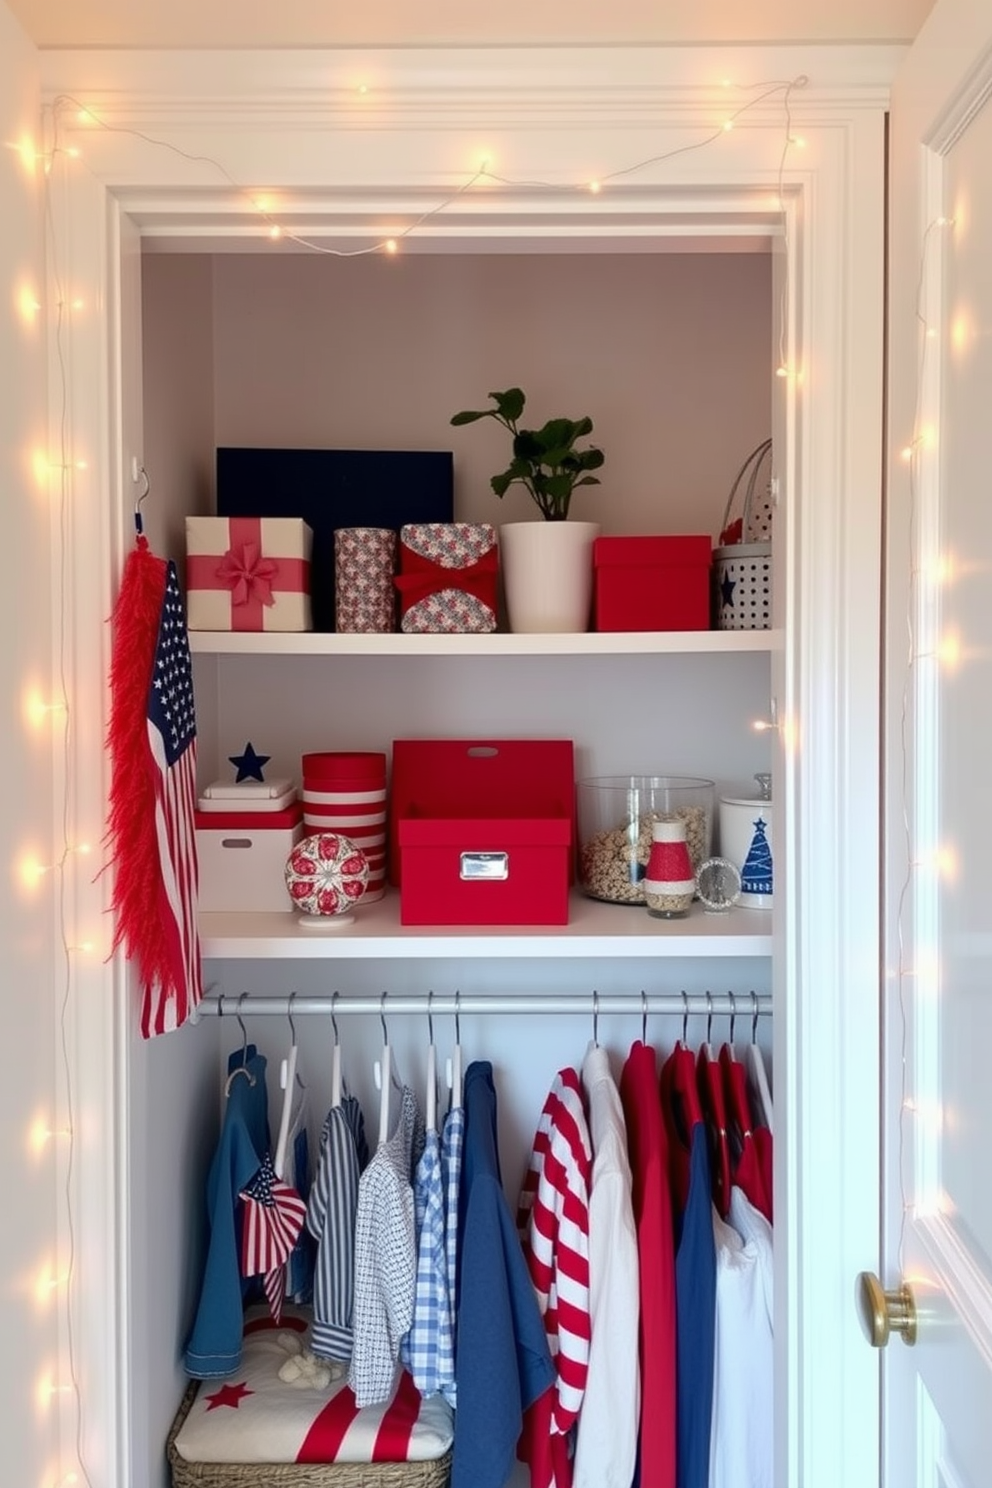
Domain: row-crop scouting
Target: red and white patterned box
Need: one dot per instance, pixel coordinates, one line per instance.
(248, 573)
(447, 579)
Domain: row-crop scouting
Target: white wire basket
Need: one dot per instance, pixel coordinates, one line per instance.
(742, 570)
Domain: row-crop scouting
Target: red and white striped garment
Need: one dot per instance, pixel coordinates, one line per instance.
(553, 1217)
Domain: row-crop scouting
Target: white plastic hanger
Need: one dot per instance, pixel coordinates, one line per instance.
(335, 1058)
(385, 1075)
(431, 1069)
(454, 1064)
(287, 1081)
(761, 1091)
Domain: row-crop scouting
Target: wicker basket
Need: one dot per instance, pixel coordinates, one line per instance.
(742, 571)
(435, 1474)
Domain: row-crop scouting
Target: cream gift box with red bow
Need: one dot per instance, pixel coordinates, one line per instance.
(248, 573)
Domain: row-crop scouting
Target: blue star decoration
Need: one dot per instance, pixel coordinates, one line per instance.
(249, 764)
(727, 588)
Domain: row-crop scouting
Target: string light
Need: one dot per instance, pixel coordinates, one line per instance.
(942, 863)
(40, 1133)
(760, 91)
(37, 712)
(67, 464)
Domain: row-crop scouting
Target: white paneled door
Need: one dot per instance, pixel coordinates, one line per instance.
(937, 1006)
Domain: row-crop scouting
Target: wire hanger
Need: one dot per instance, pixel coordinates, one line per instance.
(685, 1018)
(335, 1056)
(431, 1068)
(139, 526)
(644, 1016)
(595, 1019)
(242, 1068)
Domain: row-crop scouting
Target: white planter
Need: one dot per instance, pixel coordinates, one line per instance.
(547, 575)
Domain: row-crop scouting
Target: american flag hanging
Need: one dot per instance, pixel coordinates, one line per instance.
(152, 740)
(271, 1224)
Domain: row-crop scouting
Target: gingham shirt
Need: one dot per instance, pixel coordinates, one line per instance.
(452, 1145)
(429, 1350)
(385, 1261)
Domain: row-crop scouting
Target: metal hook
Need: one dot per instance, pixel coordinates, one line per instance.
(140, 474)
(220, 1005)
(595, 1018)
(754, 1017)
(289, 1015)
(733, 1016)
(244, 1031)
(685, 1018)
(382, 1019)
(644, 1016)
(709, 1018)
(430, 1018)
(334, 1021)
(458, 1017)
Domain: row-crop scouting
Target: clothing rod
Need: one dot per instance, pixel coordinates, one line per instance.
(671, 1004)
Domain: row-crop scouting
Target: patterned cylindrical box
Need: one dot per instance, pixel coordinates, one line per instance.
(345, 791)
(364, 564)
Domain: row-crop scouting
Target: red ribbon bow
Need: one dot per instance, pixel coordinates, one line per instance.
(422, 577)
(248, 575)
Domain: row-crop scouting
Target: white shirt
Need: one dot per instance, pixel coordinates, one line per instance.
(741, 1447)
(606, 1445)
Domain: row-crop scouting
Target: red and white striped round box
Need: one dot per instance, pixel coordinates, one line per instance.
(345, 791)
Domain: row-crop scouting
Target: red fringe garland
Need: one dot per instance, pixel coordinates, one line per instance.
(131, 837)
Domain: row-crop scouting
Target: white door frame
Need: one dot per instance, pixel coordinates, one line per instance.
(295, 125)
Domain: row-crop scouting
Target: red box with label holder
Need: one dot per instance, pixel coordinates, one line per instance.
(481, 830)
(652, 583)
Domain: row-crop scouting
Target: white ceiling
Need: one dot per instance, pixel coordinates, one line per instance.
(404, 23)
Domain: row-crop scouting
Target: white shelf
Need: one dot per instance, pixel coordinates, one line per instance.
(594, 929)
(589, 643)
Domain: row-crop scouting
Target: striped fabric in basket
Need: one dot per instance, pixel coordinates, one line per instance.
(255, 1417)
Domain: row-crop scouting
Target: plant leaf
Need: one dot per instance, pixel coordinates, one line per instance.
(469, 416)
(509, 405)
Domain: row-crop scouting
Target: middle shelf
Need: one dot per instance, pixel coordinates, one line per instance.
(594, 929)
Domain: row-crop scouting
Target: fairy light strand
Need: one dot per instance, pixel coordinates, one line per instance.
(66, 470)
(278, 232)
(918, 444)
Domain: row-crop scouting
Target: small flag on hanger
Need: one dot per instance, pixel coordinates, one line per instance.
(152, 743)
(273, 1218)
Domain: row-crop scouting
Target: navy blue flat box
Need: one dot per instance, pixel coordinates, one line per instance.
(335, 488)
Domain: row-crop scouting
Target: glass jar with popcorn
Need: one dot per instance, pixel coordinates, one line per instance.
(615, 817)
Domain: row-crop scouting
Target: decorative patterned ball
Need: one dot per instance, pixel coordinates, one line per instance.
(326, 874)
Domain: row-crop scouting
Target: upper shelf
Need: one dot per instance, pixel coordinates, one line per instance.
(588, 643)
(594, 929)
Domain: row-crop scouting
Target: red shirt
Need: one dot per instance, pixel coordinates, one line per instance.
(648, 1148)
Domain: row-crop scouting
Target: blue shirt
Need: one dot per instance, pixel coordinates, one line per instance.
(503, 1363)
(214, 1346)
(695, 1300)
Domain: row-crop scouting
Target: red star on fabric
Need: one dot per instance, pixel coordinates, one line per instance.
(231, 1395)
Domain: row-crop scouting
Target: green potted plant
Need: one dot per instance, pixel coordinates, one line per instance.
(547, 565)
(545, 460)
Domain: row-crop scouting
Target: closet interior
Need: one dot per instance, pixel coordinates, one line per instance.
(668, 347)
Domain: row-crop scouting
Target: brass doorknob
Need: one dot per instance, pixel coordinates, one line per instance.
(883, 1313)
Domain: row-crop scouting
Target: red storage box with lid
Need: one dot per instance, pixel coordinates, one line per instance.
(481, 831)
(652, 583)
